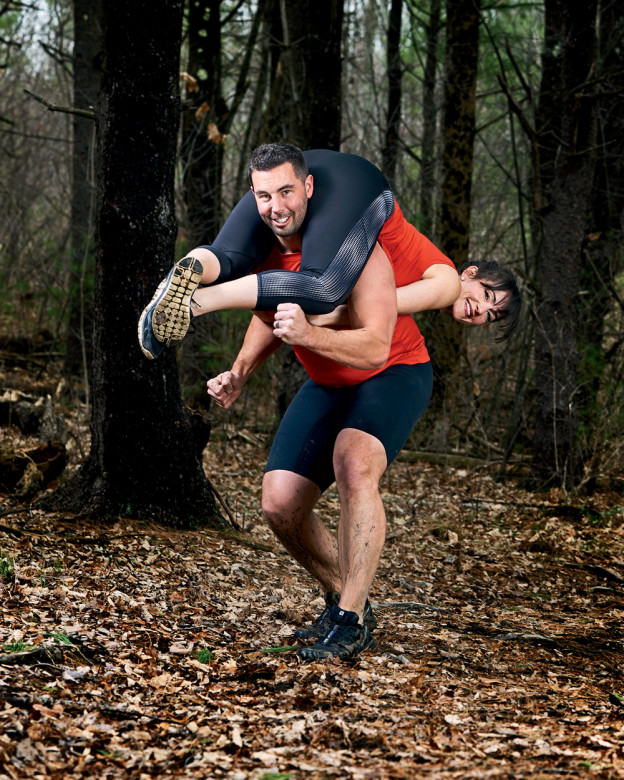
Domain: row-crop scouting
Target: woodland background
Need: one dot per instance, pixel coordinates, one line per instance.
(147, 615)
(125, 136)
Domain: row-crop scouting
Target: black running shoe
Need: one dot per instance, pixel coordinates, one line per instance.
(345, 639)
(167, 317)
(322, 624)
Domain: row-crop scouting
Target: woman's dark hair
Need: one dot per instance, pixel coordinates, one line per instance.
(269, 156)
(498, 278)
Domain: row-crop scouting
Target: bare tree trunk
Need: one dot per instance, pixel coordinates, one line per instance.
(145, 454)
(202, 155)
(306, 109)
(460, 88)
(390, 152)
(430, 115)
(602, 255)
(460, 85)
(208, 118)
(555, 453)
(87, 73)
(312, 36)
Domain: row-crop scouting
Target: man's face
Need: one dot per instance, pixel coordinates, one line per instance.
(282, 198)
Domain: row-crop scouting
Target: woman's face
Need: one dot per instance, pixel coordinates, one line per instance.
(477, 305)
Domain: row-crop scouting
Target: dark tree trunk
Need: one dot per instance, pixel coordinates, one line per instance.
(275, 124)
(430, 116)
(87, 50)
(208, 119)
(202, 155)
(460, 86)
(555, 451)
(305, 108)
(312, 63)
(390, 154)
(602, 254)
(269, 54)
(145, 453)
(206, 123)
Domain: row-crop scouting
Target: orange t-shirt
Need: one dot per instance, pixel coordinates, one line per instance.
(411, 254)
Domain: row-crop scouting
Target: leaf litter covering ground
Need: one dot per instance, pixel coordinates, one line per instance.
(149, 653)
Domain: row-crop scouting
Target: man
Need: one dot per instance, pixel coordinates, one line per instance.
(339, 229)
(369, 385)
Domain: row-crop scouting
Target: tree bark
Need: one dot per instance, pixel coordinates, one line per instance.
(202, 156)
(87, 51)
(430, 115)
(312, 64)
(555, 452)
(390, 152)
(208, 117)
(460, 86)
(306, 106)
(145, 454)
(602, 258)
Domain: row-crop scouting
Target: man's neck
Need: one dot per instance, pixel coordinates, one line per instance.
(289, 244)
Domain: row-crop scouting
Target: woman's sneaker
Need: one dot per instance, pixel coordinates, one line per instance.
(323, 623)
(345, 639)
(167, 317)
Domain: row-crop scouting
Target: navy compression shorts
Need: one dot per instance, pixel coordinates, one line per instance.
(351, 202)
(387, 406)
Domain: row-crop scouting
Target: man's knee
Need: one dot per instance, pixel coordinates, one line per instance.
(359, 462)
(276, 511)
(285, 502)
(354, 473)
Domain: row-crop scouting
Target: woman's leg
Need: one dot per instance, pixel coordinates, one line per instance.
(352, 200)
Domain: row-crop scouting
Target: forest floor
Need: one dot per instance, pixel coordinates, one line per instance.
(134, 651)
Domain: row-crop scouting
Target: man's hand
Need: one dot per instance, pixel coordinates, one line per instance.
(290, 324)
(225, 388)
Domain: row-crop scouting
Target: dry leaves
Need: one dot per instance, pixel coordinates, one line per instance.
(500, 641)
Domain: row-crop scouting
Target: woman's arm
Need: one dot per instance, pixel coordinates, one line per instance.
(438, 288)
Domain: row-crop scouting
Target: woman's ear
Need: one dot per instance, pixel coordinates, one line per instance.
(470, 271)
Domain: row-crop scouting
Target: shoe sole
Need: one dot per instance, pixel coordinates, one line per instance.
(144, 349)
(171, 318)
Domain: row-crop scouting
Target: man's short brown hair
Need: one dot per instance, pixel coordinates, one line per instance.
(269, 156)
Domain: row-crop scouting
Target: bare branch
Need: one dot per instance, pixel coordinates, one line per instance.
(63, 109)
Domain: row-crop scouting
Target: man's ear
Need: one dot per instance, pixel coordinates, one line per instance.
(309, 185)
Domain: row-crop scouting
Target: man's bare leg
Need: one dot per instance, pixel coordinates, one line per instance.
(288, 501)
(359, 462)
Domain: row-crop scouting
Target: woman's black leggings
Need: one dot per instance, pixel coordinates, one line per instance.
(351, 201)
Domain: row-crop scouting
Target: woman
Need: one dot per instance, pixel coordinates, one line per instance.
(352, 208)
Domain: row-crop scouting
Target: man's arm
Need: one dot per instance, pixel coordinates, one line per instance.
(259, 343)
(372, 313)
